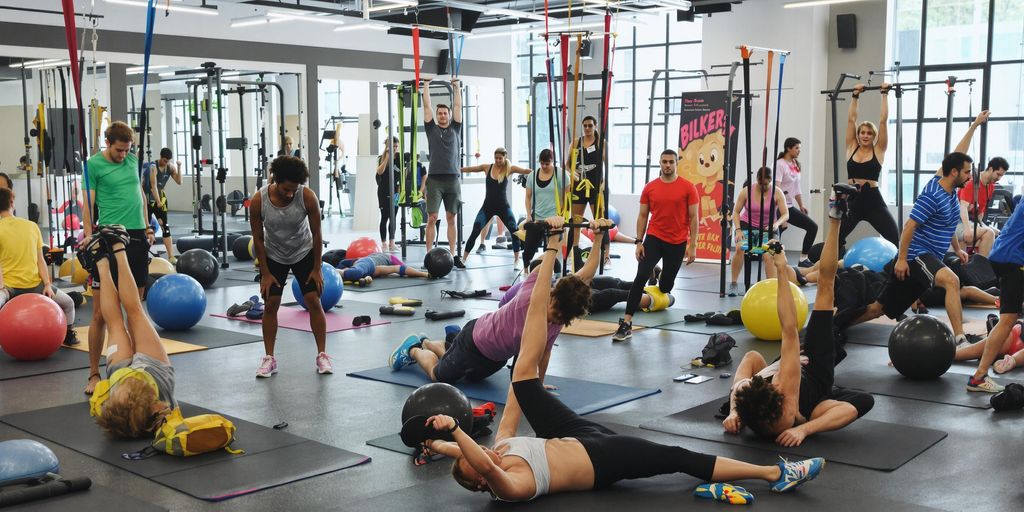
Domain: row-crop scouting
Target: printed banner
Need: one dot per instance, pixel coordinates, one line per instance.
(702, 161)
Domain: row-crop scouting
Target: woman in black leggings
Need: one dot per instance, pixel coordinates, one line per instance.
(386, 195)
(495, 200)
(865, 153)
(787, 175)
(570, 453)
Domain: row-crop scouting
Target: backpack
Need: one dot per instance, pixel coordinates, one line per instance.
(195, 435)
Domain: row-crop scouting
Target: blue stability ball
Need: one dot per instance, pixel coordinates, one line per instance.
(176, 302)
(613, 215)
(874, 253)
(333, 287)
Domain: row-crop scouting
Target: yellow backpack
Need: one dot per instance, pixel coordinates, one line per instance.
(194, 435)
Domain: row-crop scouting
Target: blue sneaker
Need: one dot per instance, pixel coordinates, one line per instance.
(731, 494)
(451, 331)
(255, 311)
(400, 358)
(795, 474)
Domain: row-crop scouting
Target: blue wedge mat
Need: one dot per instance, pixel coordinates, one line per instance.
(582, 396)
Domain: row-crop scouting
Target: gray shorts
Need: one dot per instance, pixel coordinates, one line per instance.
(444, 187)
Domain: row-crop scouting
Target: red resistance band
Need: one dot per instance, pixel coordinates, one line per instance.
(416, 56)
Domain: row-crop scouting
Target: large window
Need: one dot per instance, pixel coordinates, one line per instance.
(970, 39)
(647, 44)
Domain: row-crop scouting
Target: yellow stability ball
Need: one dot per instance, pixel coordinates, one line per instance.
(760, 311)
(252, 254)
(73, 269)
(161, 266)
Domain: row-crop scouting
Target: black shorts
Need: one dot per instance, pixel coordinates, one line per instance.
(898, 295)
(138, 260)
(462, 360)
(300, 270)
(817, 377)
(1011, 287)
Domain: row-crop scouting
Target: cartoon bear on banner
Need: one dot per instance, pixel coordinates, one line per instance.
(703, 164)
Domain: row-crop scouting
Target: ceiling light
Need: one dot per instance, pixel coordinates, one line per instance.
(137, 70)
(392, 5)
(249, 21)
(50, 64)
(33, 63)
(357, 26)
(209, 10)
(331, 20)
(812, 3)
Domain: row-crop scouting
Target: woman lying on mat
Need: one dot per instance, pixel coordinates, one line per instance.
(605, 292)
(1012, 351)
(794, 397)
(484, 346)
(378, 264)
(139, 390)
(571, 453)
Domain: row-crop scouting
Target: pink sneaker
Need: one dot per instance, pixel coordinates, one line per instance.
(323, 363)
(268, 367)
(1005, 364)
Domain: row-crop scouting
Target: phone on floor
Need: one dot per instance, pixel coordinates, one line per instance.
(699, 379)
(684, 377)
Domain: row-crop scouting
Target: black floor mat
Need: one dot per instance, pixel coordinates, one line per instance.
(96, 499)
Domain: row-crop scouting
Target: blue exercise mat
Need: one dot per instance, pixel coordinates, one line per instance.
(582, 396)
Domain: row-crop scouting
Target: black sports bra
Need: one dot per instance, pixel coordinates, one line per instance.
(870, 170)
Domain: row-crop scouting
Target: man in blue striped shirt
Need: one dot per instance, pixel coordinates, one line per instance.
(926, 236)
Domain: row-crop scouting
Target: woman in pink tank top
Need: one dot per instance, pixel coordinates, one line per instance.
(755, 213)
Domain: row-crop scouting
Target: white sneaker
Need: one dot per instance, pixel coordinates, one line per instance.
(518, 265)
(323, 364)
(268, 367)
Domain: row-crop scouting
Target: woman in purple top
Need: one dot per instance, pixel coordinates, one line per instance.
(787, 176)
(485, 345)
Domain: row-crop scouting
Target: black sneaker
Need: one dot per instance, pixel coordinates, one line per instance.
(624, 332)
(458, 262)
(90, 251)
(655, 276)
(114, 233)
(71, 338)
(838, 206)
(805, 263)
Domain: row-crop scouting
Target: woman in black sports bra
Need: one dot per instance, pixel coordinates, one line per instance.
(865, 152)
(496, 200)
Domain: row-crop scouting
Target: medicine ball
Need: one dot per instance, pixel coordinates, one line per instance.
(240, 248)
(922, 347)
(439, 262)
(199, 264)
(439, 398)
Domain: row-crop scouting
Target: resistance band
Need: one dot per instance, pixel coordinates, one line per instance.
(745, 53)
(775, 150)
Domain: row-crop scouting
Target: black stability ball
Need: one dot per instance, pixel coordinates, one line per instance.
(240, 248)
(199, 264)
(439, 262)
(439, 398)
(922, 347)
(333, 257)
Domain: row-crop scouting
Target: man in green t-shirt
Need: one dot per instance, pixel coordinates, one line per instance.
(112, 187)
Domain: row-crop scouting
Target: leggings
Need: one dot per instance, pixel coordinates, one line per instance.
(800, 220)
(353, 270)
(870, 206)
(504, 214)
(387, 228)
(534, 240)
(66, 303)
(606, 292)
(655, 250)
(614, 457)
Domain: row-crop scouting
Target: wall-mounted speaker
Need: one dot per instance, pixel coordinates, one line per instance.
(442, 62)
(846, 30)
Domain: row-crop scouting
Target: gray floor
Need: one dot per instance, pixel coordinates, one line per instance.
(961, 472)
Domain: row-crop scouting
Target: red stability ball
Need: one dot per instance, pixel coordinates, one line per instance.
(362, 246)
(33, 327)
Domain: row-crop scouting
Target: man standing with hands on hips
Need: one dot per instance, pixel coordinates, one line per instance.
(671, 202)
(443, 129)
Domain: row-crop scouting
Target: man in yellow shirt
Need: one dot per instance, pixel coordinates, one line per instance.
(22, 267)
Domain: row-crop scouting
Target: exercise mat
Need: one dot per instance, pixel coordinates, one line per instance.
(271, 458)
(594, 328)
(645, 319)
(172, 346)
(294, 317)
(582, 396)
(62, 360)
(864, 443)
(96, 499)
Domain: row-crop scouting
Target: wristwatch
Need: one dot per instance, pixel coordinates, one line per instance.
(638, 241)
(455, 427)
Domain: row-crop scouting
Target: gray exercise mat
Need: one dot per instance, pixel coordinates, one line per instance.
(271, 458)
(61, 361)
(864, 443)
(238, 276)
(653, 319)
(96, 499)
(870, 333)
(209, 337)
(698, 327)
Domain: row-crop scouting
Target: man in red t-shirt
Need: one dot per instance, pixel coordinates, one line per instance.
(985, 235)
(671, 202)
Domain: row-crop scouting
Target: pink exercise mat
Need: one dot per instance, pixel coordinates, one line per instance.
(294, 317)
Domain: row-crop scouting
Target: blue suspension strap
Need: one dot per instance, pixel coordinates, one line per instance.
(460, 43)
(148, 47)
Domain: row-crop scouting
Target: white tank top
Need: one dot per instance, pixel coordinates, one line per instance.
(531, 449)
(286, 235)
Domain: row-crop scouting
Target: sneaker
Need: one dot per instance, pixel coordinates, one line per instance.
(71, 338)
(90, 251)
(734, 290)
(964, 340)
(323, 364)
(255, 311)
(458, 262)
(268, 367)
(795, 474)
(990, 322)
(1005, 364)
(731, 494)
(114, 233)
(239, 309)
(624, 332)
(838, 205)
(517, 265)
(172, 260)
(400, 357)
(481, 248)
(805, 263)
(451, 331)
(655, 276)
(499, 240)
(986, 385)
